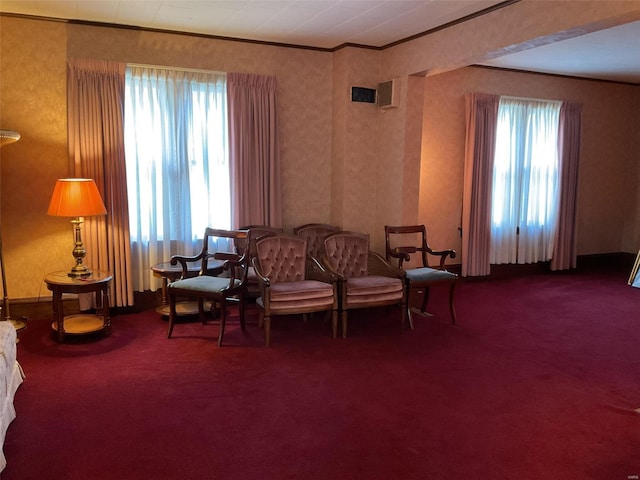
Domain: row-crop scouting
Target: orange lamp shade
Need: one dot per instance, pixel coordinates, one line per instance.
(76, 197)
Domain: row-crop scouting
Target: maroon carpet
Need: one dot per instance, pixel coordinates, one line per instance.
(540, 379)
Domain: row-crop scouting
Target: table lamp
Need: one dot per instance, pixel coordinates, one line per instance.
(78, 198)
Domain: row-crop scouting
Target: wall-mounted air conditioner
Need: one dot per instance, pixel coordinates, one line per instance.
(389, 94)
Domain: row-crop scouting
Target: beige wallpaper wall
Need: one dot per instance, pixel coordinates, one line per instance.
(631, 236)
(343, 163)
(356, 143)
(33, 103)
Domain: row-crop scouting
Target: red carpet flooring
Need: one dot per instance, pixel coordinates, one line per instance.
(540, 379)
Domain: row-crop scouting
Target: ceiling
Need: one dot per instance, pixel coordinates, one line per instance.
(612, 54)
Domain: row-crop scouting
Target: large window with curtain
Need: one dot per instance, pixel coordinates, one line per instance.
(526, 173)
(177, 163)
(534, 198)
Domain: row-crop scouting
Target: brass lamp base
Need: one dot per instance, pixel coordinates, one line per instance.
(79, 271)
(19, 324)
(5, 315)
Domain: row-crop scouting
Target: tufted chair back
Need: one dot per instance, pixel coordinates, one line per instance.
(315, 233)
(257, 232)
(347, 253)
(282, 257)
(291, 282)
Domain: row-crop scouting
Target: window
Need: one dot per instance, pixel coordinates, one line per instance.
(525, 196)
(176, 152)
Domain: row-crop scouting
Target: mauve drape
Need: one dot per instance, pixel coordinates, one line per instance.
(254, 155)
(481, 121)
(569, 134)
(95, 109)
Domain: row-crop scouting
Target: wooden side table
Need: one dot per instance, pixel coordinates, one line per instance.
(98, 282)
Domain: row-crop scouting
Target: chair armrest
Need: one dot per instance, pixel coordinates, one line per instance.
(379, 266)
(315, 271)
(443, 254)
(401, 253)
(262, 280)
(324, 263)
(232, 261)
(184, 260)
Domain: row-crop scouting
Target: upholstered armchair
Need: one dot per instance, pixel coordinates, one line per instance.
(366, 279)
(210, 284)
(315, 234)
(252, 291)
(291, 282)
(404, 241)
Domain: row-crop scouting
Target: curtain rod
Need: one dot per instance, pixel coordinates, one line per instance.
(180, 69)
(509, 97)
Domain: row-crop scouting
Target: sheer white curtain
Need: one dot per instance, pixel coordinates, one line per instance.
(177, 163)
(525, 181)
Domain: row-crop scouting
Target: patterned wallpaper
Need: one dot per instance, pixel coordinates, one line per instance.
(33, 102)
(343, 163)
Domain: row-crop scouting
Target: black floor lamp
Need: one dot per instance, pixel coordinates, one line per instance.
(6, 137)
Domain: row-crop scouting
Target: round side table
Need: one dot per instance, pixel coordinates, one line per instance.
(61, 282)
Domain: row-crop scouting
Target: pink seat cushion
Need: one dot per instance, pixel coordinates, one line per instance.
(300, 290)
(294, 296)
(373, 288)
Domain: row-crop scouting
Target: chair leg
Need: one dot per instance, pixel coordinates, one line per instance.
(267, 331)
(172, 314)
(406, 313)
(425, 300)
(451, 307)
(334, 323)
(223, 322)
(406, 305)
(241, 312)
(201, 313)
(344, 324)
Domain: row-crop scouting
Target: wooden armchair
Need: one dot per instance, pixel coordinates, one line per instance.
(291, 282)
(208, 285)
(315, 234)
(401, 243)
(365, 278)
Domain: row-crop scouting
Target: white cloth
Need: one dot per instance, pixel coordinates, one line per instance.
(11, 376)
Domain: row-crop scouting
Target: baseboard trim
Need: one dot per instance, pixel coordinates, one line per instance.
(599, 261)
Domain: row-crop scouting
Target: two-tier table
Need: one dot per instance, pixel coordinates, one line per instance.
(82, 323)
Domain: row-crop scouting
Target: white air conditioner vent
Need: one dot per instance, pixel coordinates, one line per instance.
(389, 94)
